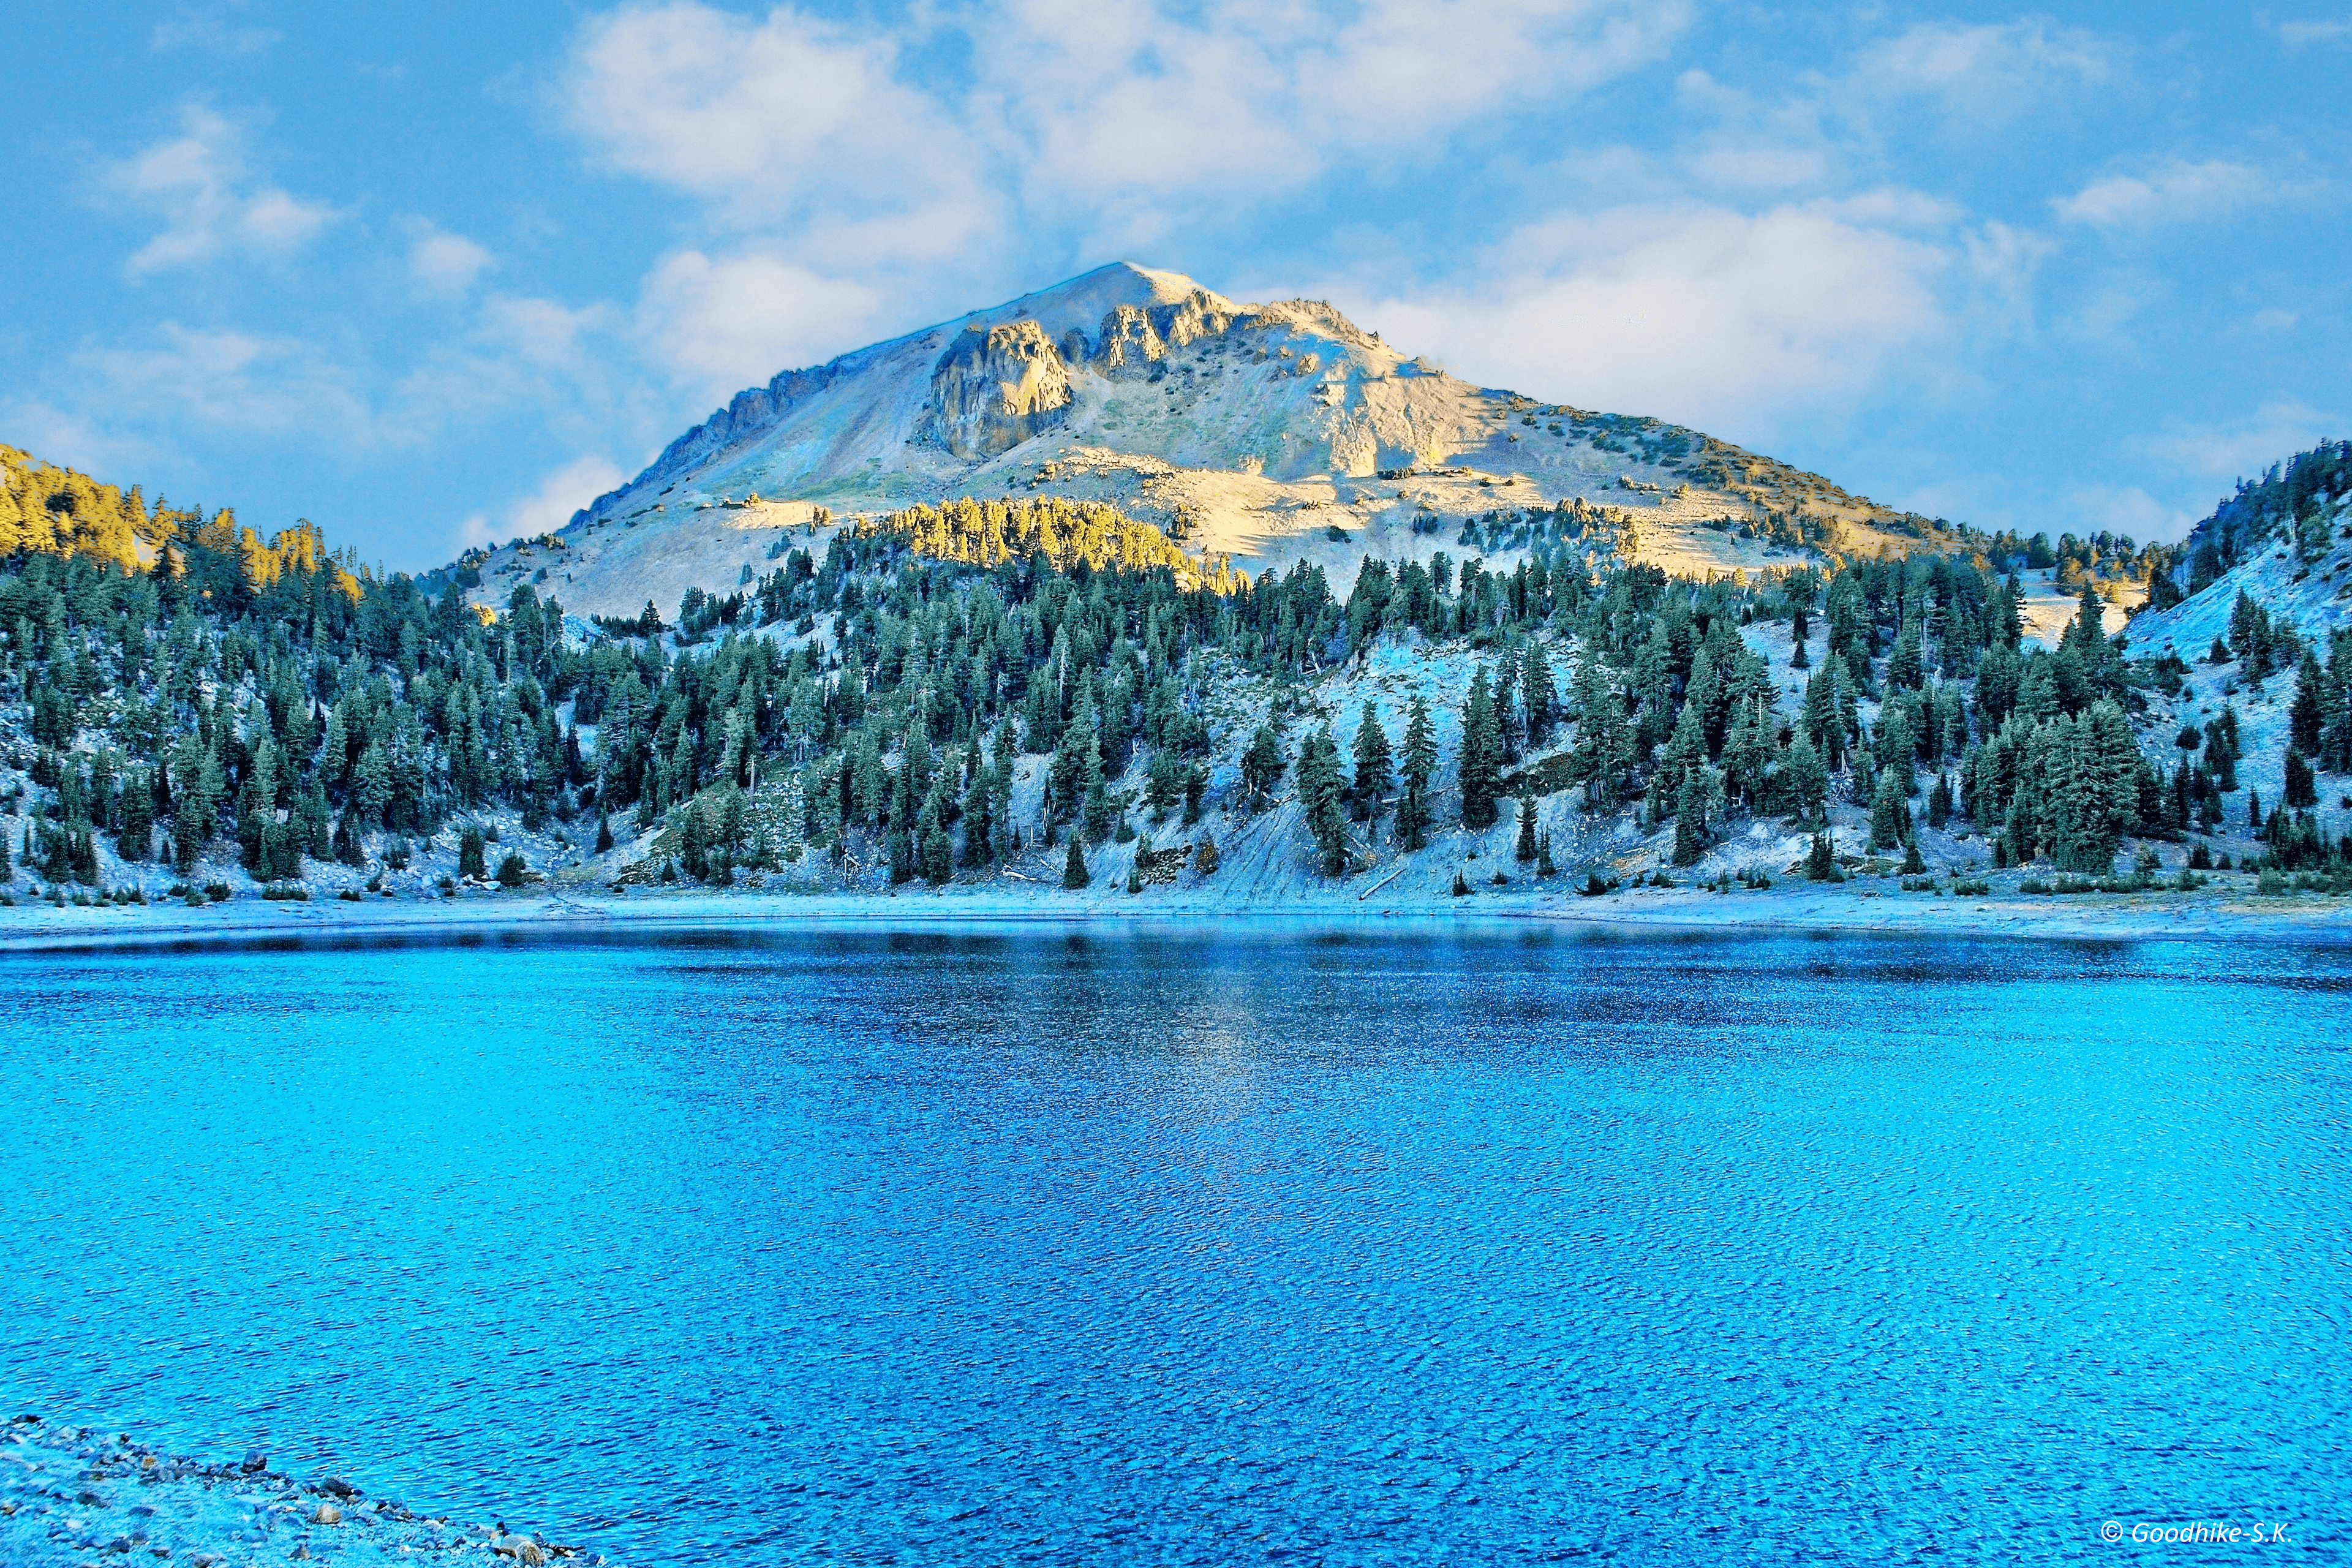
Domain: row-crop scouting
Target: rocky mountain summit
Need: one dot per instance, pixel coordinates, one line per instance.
(1265, 433)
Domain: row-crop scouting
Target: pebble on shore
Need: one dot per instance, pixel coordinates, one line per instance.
(73, 1494)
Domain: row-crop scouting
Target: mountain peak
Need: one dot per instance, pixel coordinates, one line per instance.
(1273, 432)
(1080, 304)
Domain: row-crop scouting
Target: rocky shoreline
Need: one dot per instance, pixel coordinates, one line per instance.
(75, 1495)
(1876, 906)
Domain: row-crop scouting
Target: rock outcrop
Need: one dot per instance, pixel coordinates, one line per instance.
(996, 387)
(1136, 337)
(1130, 344)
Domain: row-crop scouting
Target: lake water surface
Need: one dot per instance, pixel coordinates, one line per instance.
(1260, 1245)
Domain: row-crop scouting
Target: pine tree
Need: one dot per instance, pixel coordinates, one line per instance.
(603, 833)
(134, 841)
(1374, 768)
(347, 847)
(1544, 866)
(1820, 860)
(1320, 791)
(1807, 780)
(1411, 826)
(1692, 835)
(1527, 848)
(1601, 751)
(2302, 785)
(1481, 755)
(1542, 694)
(469, 852)
(2308, 716)
(1262, 768)
(1073, 866)
(1886, 812)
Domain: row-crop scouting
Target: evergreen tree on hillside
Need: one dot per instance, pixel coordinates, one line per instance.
(2308, 716)
(1320, 792)
(1413, 818)
(1262, 768)
(1481, 764)
(1602, 753)
(2301, 786)
(1073, 866)
(1805, 779)
(1374, 768)
(1542, 695)
(1693, 807)
(1886, 812)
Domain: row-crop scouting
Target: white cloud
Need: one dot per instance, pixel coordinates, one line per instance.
(211, 199)
(1120, 117)
(791, 120)
(230, 381)
(1115, 111)
(1983, 76)
(444, 262)
(548, 508)
(1705, 314)
(197, 27)
(2245, 447)
(530, 353)
(74, 440)
(718, 325)
(2131, 511)
(2177, 193)
(2294, 35)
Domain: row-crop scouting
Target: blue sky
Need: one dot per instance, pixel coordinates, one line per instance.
(434, 273)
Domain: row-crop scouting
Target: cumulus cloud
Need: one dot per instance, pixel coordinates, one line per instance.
(1122, 118)
(2129, 509)
(550, 507)
(2177, 193)
(719, 324)
(567, 364)
(1136, 103)
(1701, 313)
(444, 262)
(791, 120)
(77, 439)
(1985, 75)
(247, 382)
(211, 199)
(2246, 445)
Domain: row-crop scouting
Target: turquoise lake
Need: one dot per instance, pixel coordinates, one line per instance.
(1249, 1245)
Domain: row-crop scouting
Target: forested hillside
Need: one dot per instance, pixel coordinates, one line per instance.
(936, 694)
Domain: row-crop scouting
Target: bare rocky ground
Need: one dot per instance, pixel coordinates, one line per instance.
(73, 1494)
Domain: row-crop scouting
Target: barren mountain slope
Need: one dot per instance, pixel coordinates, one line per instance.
(1271, 433)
